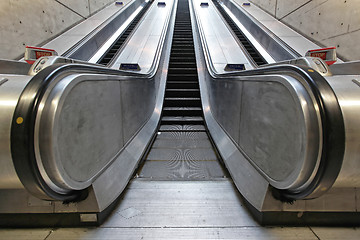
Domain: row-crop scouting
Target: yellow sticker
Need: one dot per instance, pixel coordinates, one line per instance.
(19, 120)
(310, 70)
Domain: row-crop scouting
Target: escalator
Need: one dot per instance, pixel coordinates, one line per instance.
(182, 140)
(270, 143)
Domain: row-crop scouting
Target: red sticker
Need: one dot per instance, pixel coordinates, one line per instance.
(321, 55)
(40, 54)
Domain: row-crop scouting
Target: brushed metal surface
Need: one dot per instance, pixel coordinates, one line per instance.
(182, 143)
(288, 144)
(177, 170)
(348, 94)
(181, 155)
(85, 39)
(286, 233)
(176, 153)
(82, 126)
(258, 30)
(108, 186)
(303, 121)
(181, 204)
(13, 67)
(147, 39)
(347, 68)
(223, 48)
(175, 127)
(10, 91)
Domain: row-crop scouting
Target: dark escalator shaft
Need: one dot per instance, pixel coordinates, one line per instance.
(182, 103)
(106, 58)
(255, 55)
(182, 149)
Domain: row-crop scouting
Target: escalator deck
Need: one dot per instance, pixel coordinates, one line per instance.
(182, 149)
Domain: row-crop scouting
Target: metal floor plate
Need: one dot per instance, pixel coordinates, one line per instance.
(182, 155)
(152, 210)
(182, 170)
(182, 128)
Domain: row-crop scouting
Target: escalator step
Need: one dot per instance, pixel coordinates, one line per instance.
(182, 70)
(182, 102)
(182, 77)
(182, 93)
(182, 128)
(182, 120)
(182, 65)
(182, 111)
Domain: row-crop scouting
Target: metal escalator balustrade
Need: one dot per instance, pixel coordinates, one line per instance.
(255, 55)
(182, 149)
(109, 55)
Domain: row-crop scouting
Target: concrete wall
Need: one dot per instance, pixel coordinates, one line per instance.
(327, 22)
(33, 22)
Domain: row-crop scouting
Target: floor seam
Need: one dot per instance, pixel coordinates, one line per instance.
(314, 233)
(50, 232)
(222, 227)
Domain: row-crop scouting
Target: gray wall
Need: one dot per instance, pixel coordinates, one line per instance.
(33, 22)
(327, 22)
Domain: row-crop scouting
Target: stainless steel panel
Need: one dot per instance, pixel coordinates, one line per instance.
(140, 93)
(348, 94)
(267, 39)
(348, 68)
(96, 32)
(20, 201)
(274, 112)
(222, 46)
(86, 132)
(265, 105)
(10, 90)
(79, 128)
(144, 44)
(232, 89)
(272, 129)
(14, 67)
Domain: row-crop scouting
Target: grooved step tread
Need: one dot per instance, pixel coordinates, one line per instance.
(182, 128)
(182, 108)
(181, 99)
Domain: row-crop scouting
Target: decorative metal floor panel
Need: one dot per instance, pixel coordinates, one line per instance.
(182, 170)
(181, 143)
(180, 135)
(182, 156)
(182, 128)
(175, 153)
